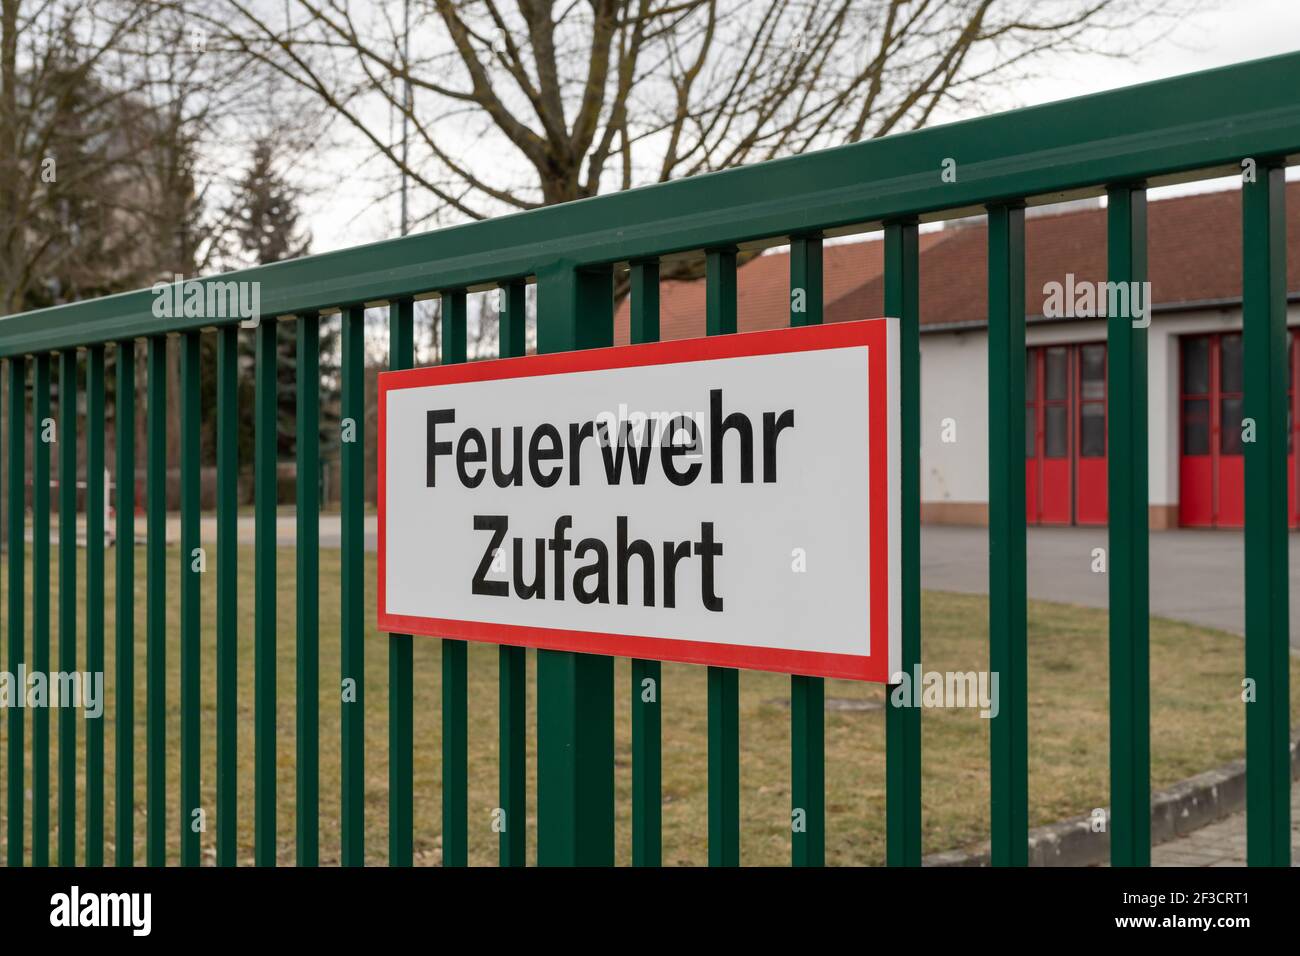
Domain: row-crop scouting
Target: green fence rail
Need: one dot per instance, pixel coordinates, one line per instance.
(1117, 144)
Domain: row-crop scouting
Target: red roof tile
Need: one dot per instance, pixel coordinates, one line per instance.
(763, 290)
(1194, 254)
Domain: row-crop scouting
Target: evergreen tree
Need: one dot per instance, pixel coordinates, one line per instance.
(263, 217)
(263, 225)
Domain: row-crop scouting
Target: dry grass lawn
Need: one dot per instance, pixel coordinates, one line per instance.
(1197, 723)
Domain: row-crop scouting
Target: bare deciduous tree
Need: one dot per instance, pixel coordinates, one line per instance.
(118, 131)
(59, 146)
(516, 105)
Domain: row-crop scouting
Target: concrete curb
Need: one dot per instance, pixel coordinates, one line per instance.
(1175, 811)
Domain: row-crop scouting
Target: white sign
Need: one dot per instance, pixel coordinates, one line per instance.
(731, 501)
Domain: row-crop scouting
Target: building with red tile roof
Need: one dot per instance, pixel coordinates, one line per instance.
(1194, 355)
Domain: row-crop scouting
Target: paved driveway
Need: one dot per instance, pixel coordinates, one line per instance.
(1196, 576)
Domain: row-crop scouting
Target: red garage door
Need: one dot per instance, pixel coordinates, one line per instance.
(1065, 434)
(1211, 473)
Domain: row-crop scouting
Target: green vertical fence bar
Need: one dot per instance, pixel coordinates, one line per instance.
(95, 597)
(647, 676)
(1007, 625)
(401, 689)
(903, 724)
(124, 608)
(67, 444)
(352, 451)
(17, 586)
(575, 692)
(808, 770)
(807, 694)
(1130, 710)
(227, 592)
(41, 436)
(192, 566)
(455, 674)
(644, 288)
(724, 682)
(1268, 758)
(156, 606)
(513, 771)
(264, 603)
(307, 553)
(513, 661)
(724, 767)
(720, 291)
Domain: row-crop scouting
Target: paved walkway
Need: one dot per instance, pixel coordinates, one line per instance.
(286, 529)
(1196, 576)
(1222, 843)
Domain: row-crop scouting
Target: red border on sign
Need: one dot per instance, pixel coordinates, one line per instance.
(871, 333)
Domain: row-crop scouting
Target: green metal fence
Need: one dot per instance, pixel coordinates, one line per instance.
(1117, 143)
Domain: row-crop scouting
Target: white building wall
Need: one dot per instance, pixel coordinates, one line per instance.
(954, 385)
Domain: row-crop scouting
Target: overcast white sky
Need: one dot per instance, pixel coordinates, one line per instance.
(1228, 31)
(1237, 30)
